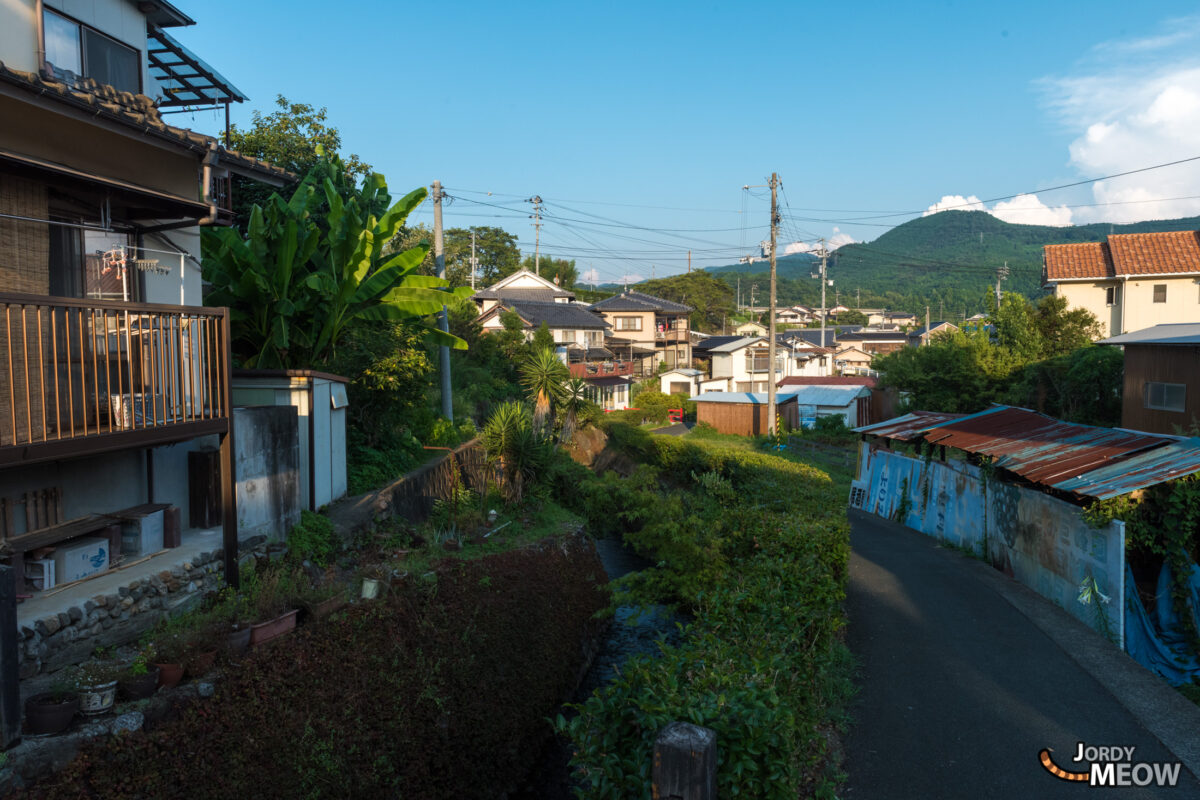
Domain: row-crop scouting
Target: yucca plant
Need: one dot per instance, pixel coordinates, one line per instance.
(543, 376)
(574, 395)
(518, 450)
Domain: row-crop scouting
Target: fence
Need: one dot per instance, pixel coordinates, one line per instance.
(1040, 540)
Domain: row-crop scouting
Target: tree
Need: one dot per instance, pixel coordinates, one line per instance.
(298, 280)
(288, 137)
(554, 268)
(512, 340)
(957, 372)
(852, 318)
(1083, 386)
(574, 396)
(543, 339)
(515, 445)
(711, 299)
(543, 376)
(1064, 331)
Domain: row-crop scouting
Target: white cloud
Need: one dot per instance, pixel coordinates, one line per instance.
(1136, 104)
(955, 202)
(835, 240)
(590, 276)
(1027, 209)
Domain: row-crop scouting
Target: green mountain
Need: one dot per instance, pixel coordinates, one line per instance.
(947, 261)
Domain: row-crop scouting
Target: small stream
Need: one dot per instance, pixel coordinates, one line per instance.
(549, 778)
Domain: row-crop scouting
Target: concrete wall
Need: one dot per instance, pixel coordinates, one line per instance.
(267, 463)
(1040, 540)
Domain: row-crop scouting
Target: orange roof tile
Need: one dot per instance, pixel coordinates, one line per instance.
(1085, 260)
(1155, 253)
(1162, 253)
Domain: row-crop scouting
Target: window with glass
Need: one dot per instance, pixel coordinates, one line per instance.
(1165, 396)
(75, 50)
(629, 323)
(1160, 293)
(1112, 295)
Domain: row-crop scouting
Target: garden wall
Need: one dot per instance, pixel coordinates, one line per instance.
(1040, 540)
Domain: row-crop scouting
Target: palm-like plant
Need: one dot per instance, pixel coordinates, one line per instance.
(543, 376)
(574, 395)
(512, 443)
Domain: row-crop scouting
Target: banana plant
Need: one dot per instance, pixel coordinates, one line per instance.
(303, 274)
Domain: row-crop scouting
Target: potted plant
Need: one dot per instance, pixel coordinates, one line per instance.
(140, 679)
(96, 682)
(169, 650)
(273, 602)
(322, 602)
(51, 712)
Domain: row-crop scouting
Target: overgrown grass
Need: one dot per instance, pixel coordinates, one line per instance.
(755, 546)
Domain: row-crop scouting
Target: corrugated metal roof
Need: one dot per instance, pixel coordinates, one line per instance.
(908, 427)
(839, 396)
(1148, 468)
(753, 398)
(1039, 448)
(1185, 333)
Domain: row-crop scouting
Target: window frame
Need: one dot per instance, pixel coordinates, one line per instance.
(85, 29)
(1150, 387)
(622, 326)
(1112, 295)
(1156, 287)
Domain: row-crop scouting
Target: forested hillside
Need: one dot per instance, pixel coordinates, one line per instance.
(947, 261)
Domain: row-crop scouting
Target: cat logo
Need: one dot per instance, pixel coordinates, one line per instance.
(1113, 766)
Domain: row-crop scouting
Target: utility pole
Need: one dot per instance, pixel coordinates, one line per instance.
(926, 327)
(771, 309)
(474, 260)
(439, 260)
(689, 262)
(753, 289)
(1001, 274)
(536, 216)
(739, 294)
(824, 282)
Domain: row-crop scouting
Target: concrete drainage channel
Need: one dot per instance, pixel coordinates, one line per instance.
(634, 631)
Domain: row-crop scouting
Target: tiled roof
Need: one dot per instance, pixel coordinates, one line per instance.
(136, 111)
(1163, 253)
(637, 301)
(933, 326)
(699, 348)
(556, 315)
(523, 294)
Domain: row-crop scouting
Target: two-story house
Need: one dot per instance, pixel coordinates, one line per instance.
(743, 364)
(522, 286)
(112, 372)
(1162, 378)
(1130, 281)
(924, 334)
(650, 323)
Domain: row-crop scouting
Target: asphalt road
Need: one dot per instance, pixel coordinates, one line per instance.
(959, 690)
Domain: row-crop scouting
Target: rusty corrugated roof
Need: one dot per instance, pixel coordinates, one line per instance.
(1174, 460)
(1039, 448)
(908, 427)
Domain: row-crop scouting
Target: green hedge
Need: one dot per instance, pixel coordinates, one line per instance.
(443, 689)
(756, 548)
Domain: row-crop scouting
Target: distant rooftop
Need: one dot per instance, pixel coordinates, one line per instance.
(638, 301)
(1178, 333)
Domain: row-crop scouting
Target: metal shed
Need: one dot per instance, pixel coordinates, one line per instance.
(320, 402)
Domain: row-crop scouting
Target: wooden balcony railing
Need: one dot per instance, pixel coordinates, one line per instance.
(87, 375)
(675, 335)
(595, 370)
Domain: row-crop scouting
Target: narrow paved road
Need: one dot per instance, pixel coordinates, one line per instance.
(959, 690)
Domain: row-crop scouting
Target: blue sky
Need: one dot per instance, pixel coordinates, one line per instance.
(656, 115)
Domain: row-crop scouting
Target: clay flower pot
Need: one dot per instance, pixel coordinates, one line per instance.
(44, 715)
(264, 632)
(239, 639)
(325, 607)
(169, 675)
(139, 687)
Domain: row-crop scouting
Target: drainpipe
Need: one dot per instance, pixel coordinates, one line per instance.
(210, 160)
(1124, 301)
(40, 25)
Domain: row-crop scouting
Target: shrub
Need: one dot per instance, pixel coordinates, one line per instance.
(756, 548)
(441, 690)
(314, 539)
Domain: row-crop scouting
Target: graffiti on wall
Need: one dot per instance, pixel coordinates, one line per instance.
(1037, 539)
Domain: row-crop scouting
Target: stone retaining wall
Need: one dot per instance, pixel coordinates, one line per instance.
(60, 640)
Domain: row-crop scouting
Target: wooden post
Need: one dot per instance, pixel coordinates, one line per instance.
(685, 763)
(10, 678)
(228, 464)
